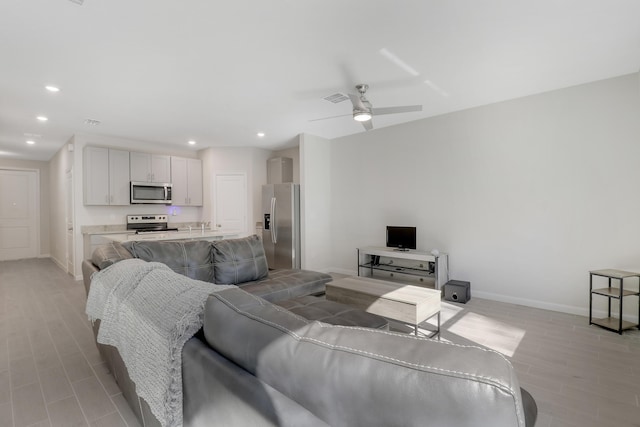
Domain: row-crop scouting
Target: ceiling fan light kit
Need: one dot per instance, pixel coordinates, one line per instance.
(361, 116)
(363, 111)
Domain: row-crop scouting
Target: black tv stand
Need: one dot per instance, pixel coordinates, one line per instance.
(401, 250)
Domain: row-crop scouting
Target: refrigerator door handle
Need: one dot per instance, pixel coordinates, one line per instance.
(274, 224)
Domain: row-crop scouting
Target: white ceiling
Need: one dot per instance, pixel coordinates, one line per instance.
(219, 72)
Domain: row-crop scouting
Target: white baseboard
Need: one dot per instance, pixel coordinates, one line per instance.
(580, 311)
(63, 266)
(545, 305)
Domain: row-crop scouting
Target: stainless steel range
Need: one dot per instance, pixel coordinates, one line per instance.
(148, 223)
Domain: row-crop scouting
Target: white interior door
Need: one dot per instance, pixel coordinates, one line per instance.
(231, 202)
(19, 216)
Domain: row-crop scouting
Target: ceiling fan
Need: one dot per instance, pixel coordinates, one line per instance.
(363, 111)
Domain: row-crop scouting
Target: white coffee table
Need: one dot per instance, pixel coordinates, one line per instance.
(404, 303)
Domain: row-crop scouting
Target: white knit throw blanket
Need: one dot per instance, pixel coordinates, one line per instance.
(148, 312)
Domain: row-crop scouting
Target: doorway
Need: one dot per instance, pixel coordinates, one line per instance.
(19, 214)
(231, 202)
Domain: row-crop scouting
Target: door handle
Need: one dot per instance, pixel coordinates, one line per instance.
(274, 224)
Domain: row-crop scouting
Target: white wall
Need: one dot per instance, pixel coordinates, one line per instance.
(250, 161)
(315, 202)
(61, 162)
(526, 196)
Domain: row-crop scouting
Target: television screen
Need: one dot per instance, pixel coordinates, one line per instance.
(401, 237)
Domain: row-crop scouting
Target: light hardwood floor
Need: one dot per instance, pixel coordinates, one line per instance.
(580, 375)
(51, 373)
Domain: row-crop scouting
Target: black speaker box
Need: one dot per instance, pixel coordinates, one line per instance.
(457, 291)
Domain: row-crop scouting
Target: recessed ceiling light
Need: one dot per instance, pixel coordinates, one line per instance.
(192, 142)
(260, 134)
(52, 88)
(42, 118)
(92, 122)
(30, 142)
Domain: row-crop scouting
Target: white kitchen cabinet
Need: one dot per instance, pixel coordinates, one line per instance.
(118, 177)
(186, 177)
(146, 167)
(106, 176)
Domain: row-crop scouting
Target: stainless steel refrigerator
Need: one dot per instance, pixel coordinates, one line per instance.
(281, 224)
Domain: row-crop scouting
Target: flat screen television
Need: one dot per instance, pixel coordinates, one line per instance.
(402, 238)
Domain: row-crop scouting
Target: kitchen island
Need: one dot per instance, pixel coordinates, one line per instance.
(171, 235)
(94, 237)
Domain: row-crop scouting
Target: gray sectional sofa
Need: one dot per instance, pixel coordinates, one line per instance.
(270, 353)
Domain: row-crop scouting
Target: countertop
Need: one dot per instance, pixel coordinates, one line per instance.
(99, 230)
(173, 235)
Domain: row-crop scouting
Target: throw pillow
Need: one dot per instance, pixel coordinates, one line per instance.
(191, 258)
(239, 260)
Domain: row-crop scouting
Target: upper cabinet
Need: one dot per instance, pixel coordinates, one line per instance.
(186, 177)
(106, 176)
(147, 167)
(108, 172)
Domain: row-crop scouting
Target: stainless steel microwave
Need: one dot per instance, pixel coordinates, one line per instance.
(150, 193)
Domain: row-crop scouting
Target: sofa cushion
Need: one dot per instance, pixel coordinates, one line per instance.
(191, 258)
(334, 313)
(286, 284)
(344, 375)
(109, 253)
(239, 260)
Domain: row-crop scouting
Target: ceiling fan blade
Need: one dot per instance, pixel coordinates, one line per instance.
(330, 117)
(368, 125)
(357, 102)
(394, 110)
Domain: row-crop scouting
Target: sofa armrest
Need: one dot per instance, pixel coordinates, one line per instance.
(109, 253)
(217, 392)
(88, 268)
(358, 376)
